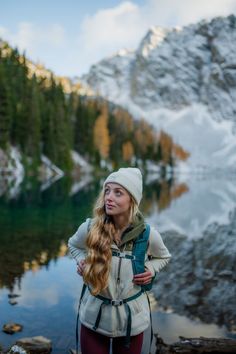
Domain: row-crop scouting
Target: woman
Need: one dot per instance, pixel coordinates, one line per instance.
(102, 248)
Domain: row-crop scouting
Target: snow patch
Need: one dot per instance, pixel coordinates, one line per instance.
(79, 160)
(11, 172)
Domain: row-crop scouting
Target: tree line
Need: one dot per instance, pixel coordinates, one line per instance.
(40, 118)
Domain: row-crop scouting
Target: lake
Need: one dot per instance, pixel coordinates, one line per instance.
(39, 286)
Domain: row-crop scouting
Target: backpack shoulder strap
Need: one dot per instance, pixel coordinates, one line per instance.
(139, 250)
(84, 287)
(89, 224)
(77, 318)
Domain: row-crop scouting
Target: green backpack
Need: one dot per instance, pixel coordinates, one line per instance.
(139, 249)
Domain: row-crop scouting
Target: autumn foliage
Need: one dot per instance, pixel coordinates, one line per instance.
(115, 136)
(38, 116)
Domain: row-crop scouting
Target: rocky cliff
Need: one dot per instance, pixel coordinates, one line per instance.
(182, 80)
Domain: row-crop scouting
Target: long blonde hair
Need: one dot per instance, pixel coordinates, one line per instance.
(99, 242)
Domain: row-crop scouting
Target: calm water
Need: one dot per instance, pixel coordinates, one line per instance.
(36, 270)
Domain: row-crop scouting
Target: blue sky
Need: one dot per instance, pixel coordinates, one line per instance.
(69, 36)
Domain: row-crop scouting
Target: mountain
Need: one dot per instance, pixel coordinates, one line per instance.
(39, 70)
(182, 80)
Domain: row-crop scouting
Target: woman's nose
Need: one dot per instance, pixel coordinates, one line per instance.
(109, 196)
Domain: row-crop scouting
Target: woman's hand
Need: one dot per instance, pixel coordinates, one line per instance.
(80, 267)
(143, 278)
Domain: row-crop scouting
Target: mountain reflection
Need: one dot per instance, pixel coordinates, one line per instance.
(36, 225)
(162, 192)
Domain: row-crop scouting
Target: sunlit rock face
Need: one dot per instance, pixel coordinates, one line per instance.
(182, 80)
(194, 65)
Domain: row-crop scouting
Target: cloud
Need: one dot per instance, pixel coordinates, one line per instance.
(3, 32)
(106, 31)
(184, 12)
(109, 30)
(33, 39)
(111, 25)
(26, 37)
(123, 26)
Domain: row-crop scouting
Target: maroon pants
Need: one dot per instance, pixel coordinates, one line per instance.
(94, 342)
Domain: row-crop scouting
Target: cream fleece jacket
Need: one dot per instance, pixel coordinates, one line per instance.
(113, 321)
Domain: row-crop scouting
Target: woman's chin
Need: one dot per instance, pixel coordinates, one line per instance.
(110, 212)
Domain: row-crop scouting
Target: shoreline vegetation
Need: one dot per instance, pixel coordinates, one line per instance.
(44, 125)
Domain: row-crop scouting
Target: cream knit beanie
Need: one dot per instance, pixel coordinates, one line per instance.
(130, 178)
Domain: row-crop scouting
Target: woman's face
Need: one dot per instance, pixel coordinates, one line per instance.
(117, 200)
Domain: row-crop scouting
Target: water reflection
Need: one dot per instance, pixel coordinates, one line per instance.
(161, 193)
(46, 305)
(194, 202)
(171, 326)
(35, 228)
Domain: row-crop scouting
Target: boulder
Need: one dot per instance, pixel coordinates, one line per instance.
(35, 345)
(196, 345)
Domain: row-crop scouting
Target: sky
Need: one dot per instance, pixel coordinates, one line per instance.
(68, 37)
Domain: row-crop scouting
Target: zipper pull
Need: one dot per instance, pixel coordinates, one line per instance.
(118, 275)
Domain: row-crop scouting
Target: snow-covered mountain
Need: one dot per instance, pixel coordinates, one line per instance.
(182, 80)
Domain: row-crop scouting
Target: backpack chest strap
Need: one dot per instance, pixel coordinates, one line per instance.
(120, 302)
(107, 301)
(123, 255)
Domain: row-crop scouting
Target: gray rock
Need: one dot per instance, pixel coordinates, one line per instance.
(196, 345)
(17, 350)
(199, 281)
(35, 345)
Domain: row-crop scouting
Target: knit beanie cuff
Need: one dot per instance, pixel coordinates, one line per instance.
(130, 178)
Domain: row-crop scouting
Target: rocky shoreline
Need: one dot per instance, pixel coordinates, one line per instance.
(196, 345)
(33, 345)
(42, 345)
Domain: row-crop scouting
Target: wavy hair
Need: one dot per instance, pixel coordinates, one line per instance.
(99, 240)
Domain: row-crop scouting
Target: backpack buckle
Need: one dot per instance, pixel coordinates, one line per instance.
(128, 256)
(116, 302)
(122, 254)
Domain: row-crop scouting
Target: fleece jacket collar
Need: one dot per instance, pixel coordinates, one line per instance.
(132, 232)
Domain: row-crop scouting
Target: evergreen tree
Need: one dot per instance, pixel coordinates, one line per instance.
(38, 117)
(86, 114)
(20, 100)
(33, 121)
(5, 113)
